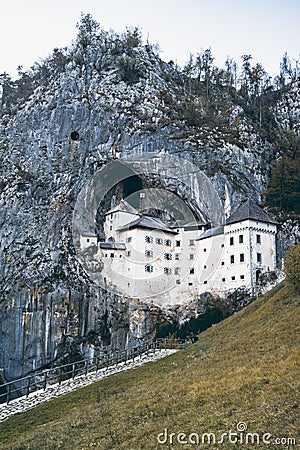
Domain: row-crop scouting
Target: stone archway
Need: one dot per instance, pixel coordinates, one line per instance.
(257, 275)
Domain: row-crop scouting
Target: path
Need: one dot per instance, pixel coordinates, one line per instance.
(22, 404)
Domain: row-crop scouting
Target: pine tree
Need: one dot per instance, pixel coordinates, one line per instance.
(283, 193)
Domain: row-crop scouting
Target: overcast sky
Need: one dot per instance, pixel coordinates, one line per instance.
(30, 29)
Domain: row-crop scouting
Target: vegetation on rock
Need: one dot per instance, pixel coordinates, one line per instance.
(292, 266)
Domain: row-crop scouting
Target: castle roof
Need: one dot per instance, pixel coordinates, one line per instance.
(188, 225)
(109, 245)
(211, 232)
(123, 206)
(249, 210)
(88, 234)
(152, 223)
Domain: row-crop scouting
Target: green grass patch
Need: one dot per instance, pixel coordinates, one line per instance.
(246, 368)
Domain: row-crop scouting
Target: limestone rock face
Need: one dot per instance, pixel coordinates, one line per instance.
(106, 101)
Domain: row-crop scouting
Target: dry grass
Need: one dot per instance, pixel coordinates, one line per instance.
(244, 369)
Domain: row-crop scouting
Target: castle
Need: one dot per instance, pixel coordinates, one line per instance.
(171, 263)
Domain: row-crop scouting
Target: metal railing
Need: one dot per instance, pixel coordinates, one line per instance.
(56, 375)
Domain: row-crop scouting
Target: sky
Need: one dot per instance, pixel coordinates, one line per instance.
(31, 29)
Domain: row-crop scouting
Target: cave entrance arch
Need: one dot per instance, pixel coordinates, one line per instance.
(175, 178)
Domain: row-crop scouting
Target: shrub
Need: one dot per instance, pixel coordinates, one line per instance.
(292, 266)
(130, 70)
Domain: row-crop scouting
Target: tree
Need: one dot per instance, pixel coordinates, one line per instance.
(199, 66)
(7, 90)
(246, 75)
(231, 71)
(132, 39)
(292, 266)
(207, 64)
(88, 30)
(283, 193)
(189, 72)
(286, 72)
(259, 82)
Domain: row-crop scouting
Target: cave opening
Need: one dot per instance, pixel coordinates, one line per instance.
(137, 191)
(131, 187)
(74, 135)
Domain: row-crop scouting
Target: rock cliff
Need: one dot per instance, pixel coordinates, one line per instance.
(106, 97)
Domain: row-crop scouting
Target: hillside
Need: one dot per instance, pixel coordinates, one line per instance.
(245, 369)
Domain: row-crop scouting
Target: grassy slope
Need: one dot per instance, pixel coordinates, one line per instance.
(246, 368)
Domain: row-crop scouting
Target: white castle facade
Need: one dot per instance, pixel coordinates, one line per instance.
(143, 257)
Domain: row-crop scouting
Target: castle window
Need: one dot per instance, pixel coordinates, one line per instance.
(205, 282)
(222, 263)
(241, 238)
(159, 241)
(87, 240)
(128, 253)
(192, 271)
(128, 239)
(168, 256)
(148, 253)
(111, 216)
(242, 257)
(105, 255)
(242, 277)
(258, 255)
(110, 228)
(149, 239)
(222, 245)
(192, 242)
(168, 242)
(177, 281)
(233, 278)
(204, 250)
(148, 268)
(191, 256)
(231, 241)
(120, 256)
(190, 284)
(128, 284)
(258, 239)
(167, 271)
(176, 256)
(223, 279)
(112, 255)
(204, 267)
(231, 259)
(177, 271)
(177, 243)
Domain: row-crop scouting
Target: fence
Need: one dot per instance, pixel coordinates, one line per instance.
(40, 380)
